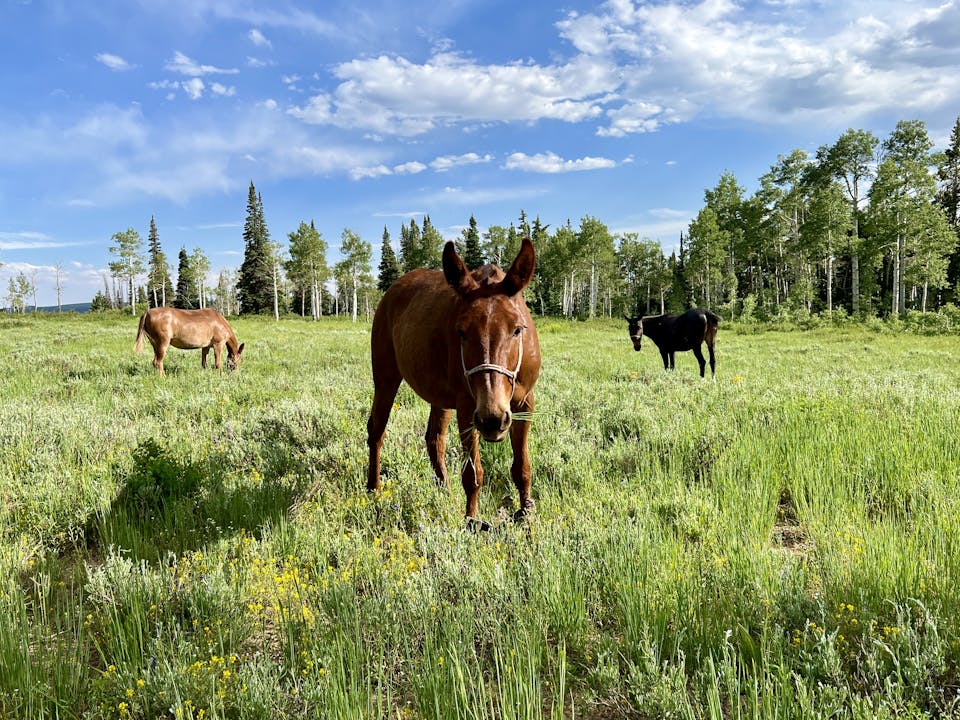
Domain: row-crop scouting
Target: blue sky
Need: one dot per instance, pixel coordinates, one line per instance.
(365, 113)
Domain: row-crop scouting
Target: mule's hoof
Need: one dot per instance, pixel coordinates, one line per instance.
(476, 525)
(525, 512)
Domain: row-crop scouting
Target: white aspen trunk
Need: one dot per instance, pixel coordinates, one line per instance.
(276, 294)
(133, 299)
(925, 288)
(830, 283)
(353, 316)
(593, 290)
(895, 307)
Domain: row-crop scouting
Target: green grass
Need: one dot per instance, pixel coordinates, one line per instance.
(781, 543)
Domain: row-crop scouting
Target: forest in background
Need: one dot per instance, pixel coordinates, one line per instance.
(865, 226)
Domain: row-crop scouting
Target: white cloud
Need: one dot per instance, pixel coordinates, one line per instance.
(184, 65)
(218, 89)
(446, 162)
(409, 168)
(374, 93)
(114, 62)
(31, 240)
(193, 87)
(358, 173)
(258, 38)
(552, 163)
(679, 59)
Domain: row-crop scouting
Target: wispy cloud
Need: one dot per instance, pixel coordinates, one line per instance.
(184, 65)
(259, 39)
(31, 240)
(114, 62)
(552, 163)
(446, 162)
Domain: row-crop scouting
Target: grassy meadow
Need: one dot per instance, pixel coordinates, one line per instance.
(781, 543)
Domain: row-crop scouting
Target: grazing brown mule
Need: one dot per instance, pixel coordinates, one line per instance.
(188, 330)
(463, 341)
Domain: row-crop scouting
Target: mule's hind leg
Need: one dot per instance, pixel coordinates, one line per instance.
(699, 355)
(159, 351)
(203, 358)
(386, 382)
(713, 362)
(437, 443)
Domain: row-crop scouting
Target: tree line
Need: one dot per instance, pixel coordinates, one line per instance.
(863, 226)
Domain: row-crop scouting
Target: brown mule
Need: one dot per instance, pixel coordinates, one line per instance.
(465, 342)
(188, 330)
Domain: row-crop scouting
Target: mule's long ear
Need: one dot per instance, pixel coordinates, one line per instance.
(455, 271)
(521, 269)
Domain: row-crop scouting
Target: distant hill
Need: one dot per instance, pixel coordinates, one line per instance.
(71, 307)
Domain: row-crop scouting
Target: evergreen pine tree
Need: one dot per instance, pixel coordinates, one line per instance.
(255, 285)
(410, 250)
(948, 173)
(472, 253)
(158, 280)
(185, 283)
(389, 269)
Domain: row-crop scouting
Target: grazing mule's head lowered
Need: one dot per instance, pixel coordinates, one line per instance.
(234, 357)
(490, 322)
(635, 326)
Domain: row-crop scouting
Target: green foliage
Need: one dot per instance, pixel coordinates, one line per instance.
(255, 286)
(389, 268)
(783, 542)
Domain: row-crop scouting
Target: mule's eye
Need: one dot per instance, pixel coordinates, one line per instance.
(518, 331)
(461, 334)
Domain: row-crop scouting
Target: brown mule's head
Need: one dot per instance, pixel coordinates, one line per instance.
(635, 326)
(234, 358)
(490, 325)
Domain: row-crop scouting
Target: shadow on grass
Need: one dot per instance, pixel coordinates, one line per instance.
(169, 504)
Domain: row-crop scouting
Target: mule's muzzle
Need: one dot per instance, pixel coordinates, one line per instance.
(492, 428)
(637, 341)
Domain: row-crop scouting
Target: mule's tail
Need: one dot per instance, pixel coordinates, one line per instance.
(713, 321)
(138, 346)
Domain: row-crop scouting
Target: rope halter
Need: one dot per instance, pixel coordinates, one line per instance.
(490, 367)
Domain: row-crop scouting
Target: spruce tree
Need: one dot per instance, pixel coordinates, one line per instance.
(948, 174)
(389, 268)
(255, 286)
(158, 280)
(472, 253)
(410, 250)
(185, 282)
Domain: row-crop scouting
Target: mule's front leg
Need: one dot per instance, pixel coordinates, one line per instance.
(203, 357)
(472, 474)
(666, 359)
(520, 470)
(698, 353)
(437, 443)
